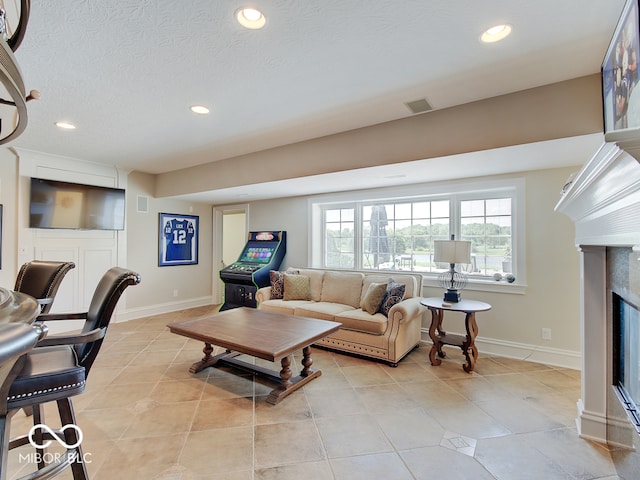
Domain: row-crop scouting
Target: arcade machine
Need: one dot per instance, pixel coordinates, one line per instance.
(263, 252)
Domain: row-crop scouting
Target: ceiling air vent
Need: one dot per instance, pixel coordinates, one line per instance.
(419, 106)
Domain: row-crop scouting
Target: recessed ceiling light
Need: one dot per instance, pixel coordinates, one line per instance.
(199, 109)
(496, 33)
(250, 17)
(65, 125)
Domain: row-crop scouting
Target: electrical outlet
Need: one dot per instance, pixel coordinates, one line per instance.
(175, 292)
(546, 334)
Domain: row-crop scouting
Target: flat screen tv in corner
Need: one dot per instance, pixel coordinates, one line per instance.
(55, 204)
(620, 92)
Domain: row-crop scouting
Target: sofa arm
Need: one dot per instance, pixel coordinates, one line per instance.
(263, 294)
(406, 309)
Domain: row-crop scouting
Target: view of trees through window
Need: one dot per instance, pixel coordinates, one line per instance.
(339, 238)
(487, 223)
(400, 235)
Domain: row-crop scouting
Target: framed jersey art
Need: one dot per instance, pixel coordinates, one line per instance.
(178, 240)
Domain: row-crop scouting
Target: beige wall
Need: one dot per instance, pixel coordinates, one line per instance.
(193, 282)
(551, 298)
(564, 109)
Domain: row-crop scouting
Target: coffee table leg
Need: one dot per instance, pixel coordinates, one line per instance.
(289, 385)
(307, 361)
(206, 361)
(285, 373)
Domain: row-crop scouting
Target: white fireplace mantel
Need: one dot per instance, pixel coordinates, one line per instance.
(603, 200)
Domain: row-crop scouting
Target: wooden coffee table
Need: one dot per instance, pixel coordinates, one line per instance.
(262, 334)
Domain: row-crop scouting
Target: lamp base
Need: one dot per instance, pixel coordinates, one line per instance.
(452, 296)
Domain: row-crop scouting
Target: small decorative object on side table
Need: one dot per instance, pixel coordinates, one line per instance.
(439, 337)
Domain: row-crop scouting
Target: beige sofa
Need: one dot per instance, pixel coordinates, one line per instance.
(338, 295)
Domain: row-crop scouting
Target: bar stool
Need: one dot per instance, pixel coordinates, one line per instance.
(57, 369)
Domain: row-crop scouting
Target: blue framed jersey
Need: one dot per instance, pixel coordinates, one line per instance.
(178, 239)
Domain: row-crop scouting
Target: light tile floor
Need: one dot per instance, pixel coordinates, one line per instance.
(144, 416)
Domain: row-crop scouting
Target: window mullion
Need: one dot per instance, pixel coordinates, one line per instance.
(358, 236)
(455, 226)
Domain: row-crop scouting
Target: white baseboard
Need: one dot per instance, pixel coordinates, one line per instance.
(522, 351)
(591, 425)
(133, 313)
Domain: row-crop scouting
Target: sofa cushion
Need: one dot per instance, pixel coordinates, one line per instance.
(372, 299)
(276, 279)
(296, 287)
(411, 289)
(277, 284)
(342, 287)
(394, 294)
(322, 310)
(281, 306)
(369, 279)
(315, 281)
(361, 321)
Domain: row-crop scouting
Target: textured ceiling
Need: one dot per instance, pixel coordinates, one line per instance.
(126, 71)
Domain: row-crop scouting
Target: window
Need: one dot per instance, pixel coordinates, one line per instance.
(399, 236)
(339, 239)
(487, 224)
(398, 233)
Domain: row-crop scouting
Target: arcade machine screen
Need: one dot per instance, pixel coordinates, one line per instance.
(258, 253)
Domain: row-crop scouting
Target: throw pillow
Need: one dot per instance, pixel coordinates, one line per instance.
(296, 287)
(277, 284)
(373, 297)
(394, 294)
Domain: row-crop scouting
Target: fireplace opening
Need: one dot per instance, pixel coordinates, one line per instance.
(626, 356)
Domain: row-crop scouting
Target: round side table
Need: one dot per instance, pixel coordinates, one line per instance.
(439, 337)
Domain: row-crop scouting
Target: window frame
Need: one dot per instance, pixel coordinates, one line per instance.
(455, 191)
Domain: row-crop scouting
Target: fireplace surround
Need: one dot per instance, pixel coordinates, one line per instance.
(626, 357)
(603, 200)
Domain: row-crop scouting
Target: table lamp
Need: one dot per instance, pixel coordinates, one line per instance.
(452, 252)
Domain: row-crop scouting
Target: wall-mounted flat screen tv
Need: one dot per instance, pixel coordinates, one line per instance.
(620, 92)
(55, 204)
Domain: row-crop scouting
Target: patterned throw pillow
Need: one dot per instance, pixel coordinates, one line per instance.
(395, 294)
(277, 284)
(373, 297)
(296, 287)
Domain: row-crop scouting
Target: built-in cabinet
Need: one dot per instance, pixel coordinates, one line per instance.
(93, 251)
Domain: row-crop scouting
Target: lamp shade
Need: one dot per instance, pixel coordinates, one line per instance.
(452, 251)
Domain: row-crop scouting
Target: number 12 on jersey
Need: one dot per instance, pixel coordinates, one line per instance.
(178, 239)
